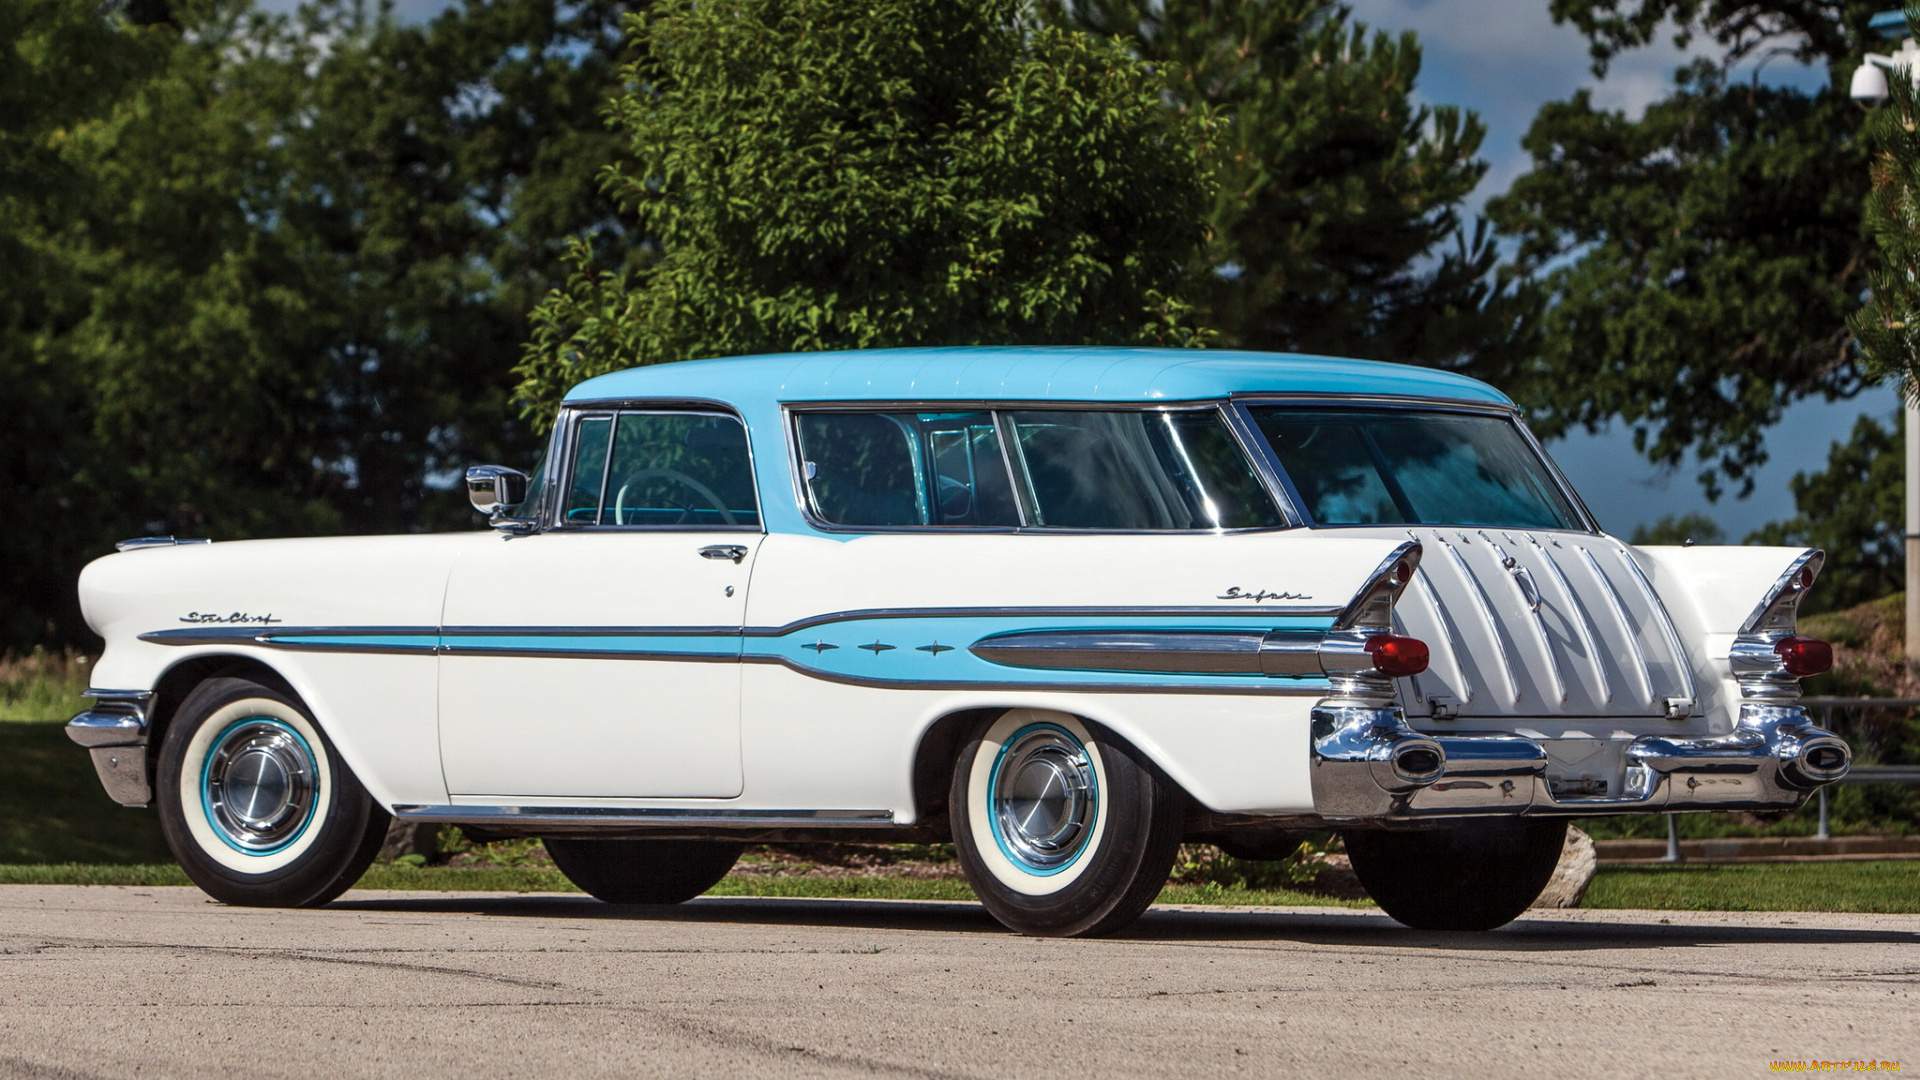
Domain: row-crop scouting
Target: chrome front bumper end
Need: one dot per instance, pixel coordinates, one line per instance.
(114, 731)
(1368, 765)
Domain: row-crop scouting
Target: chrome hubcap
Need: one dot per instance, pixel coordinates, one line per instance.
(259, 785)
(1044, 798)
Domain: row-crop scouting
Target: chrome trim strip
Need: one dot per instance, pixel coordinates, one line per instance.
(1779, 609)
(97, 728)
(1208, 652)
(1390, 401)
(1173, 652)
(288, 638)
(142, 543)
(1313, 689)
(619, 815)
(118, 695)
(519, 652)
(1211, 611)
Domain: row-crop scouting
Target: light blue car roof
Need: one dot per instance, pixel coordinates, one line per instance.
(1024, 374)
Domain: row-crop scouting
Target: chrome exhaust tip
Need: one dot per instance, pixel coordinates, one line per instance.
(1822, 759)
(1417, 762)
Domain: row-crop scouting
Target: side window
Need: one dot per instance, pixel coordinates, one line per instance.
(880, 470)
(589, 470)
(1137, 470)
(664, 470)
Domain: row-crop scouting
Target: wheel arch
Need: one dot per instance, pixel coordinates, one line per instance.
(177, 682)
(938, 750)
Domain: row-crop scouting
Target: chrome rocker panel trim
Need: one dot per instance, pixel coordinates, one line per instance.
(114, 731)
(653, 821)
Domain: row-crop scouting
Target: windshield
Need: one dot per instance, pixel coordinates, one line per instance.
(1404, 467)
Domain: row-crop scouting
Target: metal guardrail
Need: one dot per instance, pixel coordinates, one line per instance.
(1859, 774)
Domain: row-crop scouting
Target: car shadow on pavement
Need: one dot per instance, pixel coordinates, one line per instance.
(1593, 930)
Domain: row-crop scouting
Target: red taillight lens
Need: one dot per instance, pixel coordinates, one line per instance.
(1804, 656)
(1399, 656)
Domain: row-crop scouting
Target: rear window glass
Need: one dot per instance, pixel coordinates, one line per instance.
(1392, 466)
(1137, 470)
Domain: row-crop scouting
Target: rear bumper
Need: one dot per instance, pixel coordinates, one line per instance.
(1368, 765)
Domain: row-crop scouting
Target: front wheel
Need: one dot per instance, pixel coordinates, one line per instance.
(256, 804)
(1469, 877)
(1062, 828)
(624, 871)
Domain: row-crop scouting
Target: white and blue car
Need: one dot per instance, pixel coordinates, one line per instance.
(1065, 608)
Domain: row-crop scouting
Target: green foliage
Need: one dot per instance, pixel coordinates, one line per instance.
(1880, 886)
(264, 275)
(52, 809)
(1888, 328)
(1692, 527)
(1853, 510)
(1701, 260)
(1336, 225)
(853, 173)
(42, 686)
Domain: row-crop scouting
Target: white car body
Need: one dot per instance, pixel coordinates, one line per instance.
(791, 679)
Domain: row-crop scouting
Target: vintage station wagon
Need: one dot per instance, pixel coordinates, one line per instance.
(1062, 607)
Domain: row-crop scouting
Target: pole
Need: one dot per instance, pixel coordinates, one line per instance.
(1911, 418)
(1673, 840)
(1823, 834)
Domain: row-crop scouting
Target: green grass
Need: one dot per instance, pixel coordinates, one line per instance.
(52, 808)
(1889, 886)
(42, 687)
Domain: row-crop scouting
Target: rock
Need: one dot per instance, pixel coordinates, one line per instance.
(1570, 879)
(410, 838)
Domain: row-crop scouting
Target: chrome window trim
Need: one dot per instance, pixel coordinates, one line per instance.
(572, 414)
(796, 467)
(1244, 403)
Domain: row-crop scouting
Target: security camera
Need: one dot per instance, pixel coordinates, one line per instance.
(1869, 84)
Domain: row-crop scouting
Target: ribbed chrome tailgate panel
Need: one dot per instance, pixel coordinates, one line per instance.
(1538, 624)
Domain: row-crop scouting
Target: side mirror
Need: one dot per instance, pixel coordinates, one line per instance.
(493, 488)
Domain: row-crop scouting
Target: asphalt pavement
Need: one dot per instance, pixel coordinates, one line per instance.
(147, 982)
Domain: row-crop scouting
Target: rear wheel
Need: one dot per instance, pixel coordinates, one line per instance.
(256, 804)
(1470, 877)
(627, 871)
(1062, 828)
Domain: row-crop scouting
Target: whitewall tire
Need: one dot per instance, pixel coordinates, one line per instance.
(1062, 828)
(255, 802)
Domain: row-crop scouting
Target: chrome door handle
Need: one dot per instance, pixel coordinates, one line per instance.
(736, 552)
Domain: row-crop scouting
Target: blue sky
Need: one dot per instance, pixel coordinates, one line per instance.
(1503, 59)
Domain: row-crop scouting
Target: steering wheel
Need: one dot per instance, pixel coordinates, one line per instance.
(678, 477)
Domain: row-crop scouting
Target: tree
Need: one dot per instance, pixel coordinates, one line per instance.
(852, 173)
(1701, 260)
(1854, 511)
(1888, 328)
(1336, 226)
(1689, 528)
(279, 269)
